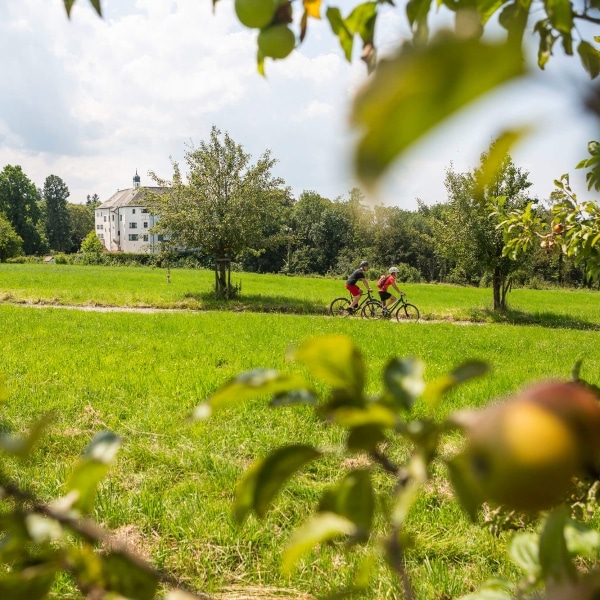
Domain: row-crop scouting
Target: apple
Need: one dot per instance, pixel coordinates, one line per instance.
(255, 13)
(558, 228)
(276, 41)
(525, 453)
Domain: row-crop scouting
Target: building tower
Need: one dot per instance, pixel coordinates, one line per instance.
(136, 180)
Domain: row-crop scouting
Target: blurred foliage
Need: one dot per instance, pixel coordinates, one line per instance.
(353, 509)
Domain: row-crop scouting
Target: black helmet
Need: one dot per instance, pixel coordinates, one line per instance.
(364, 263)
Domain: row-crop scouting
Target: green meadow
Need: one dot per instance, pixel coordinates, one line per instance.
(170, 492)
(138, 287)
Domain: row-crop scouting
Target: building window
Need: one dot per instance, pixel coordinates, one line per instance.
(105, 219)
(133, 237)
(144, 211)
(132, 225)
(113, 217)
(100, 236)
(120, 217)
(145, 224)
(145, 237)
(161, 238)
(98, 226)
(133, 211)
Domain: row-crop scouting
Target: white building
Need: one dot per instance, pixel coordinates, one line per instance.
(123, 222)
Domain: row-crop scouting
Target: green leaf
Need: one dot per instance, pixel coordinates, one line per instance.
(403, 380)
(554, 555)
(245, 490)
(465, 487)
(335, 360)
(334, 16)
(496, 156)
(85, 565)
(464, 372)
(29, 583)
(249, 386)
(293, 397)
(581, 539)
(488, 8)
(69, 6)
(561, 14)
(416, 12)
(365, 438)
(590, 58)
(419, 88)
(371, 414)
(128, 577)
(84, 479)
(361, 21)
(321, 528)
(523, 550)
(261, 483)
(91, 469)
(21, 446)
(406, 495)
(97, 7)
(352, 498)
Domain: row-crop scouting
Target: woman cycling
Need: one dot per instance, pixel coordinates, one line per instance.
(382, 287)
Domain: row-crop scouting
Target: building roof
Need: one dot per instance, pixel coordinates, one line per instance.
(128, 197)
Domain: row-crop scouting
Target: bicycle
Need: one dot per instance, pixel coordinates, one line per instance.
(403, 310)
(338, 308)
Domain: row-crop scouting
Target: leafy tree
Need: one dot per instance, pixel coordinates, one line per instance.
(93, 200)
(10, 243)
(82, 221)
(19, 204)
(468, 230)
(59, 228)
(92, 244)
(222, 207)
(574, 230)
(276, 239)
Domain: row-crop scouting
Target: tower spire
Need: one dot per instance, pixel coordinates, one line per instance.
(136, 180)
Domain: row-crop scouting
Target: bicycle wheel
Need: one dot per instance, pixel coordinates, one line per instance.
(372, 310)
(408, 312)
(338, 307)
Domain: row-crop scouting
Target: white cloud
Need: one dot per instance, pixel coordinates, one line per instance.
(91, 100)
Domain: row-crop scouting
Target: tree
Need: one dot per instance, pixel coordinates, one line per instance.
(93, 201)
(573, 228)
(10, 243)
(222, 207)
(91, 244)
(468, 230)
(19, 204)
(59, 228)
(82, 221)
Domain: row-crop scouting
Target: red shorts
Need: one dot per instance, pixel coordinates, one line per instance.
(354, 290)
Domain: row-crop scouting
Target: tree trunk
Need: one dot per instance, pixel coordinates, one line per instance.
(223, 277)
(501, 286)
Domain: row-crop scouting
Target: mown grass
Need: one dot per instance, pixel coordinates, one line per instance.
(193, 290)
(171, 490)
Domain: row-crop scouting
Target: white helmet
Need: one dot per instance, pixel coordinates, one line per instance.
(394, 270)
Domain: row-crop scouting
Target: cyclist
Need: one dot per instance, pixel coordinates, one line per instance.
(357, 276)
(382, 287)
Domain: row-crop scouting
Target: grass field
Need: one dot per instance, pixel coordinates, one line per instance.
(171, 490)
(193, 289)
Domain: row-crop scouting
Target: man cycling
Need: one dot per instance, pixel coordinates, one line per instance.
(357, 276)
(382, 287)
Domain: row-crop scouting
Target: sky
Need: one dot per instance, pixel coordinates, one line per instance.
(94, 100)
